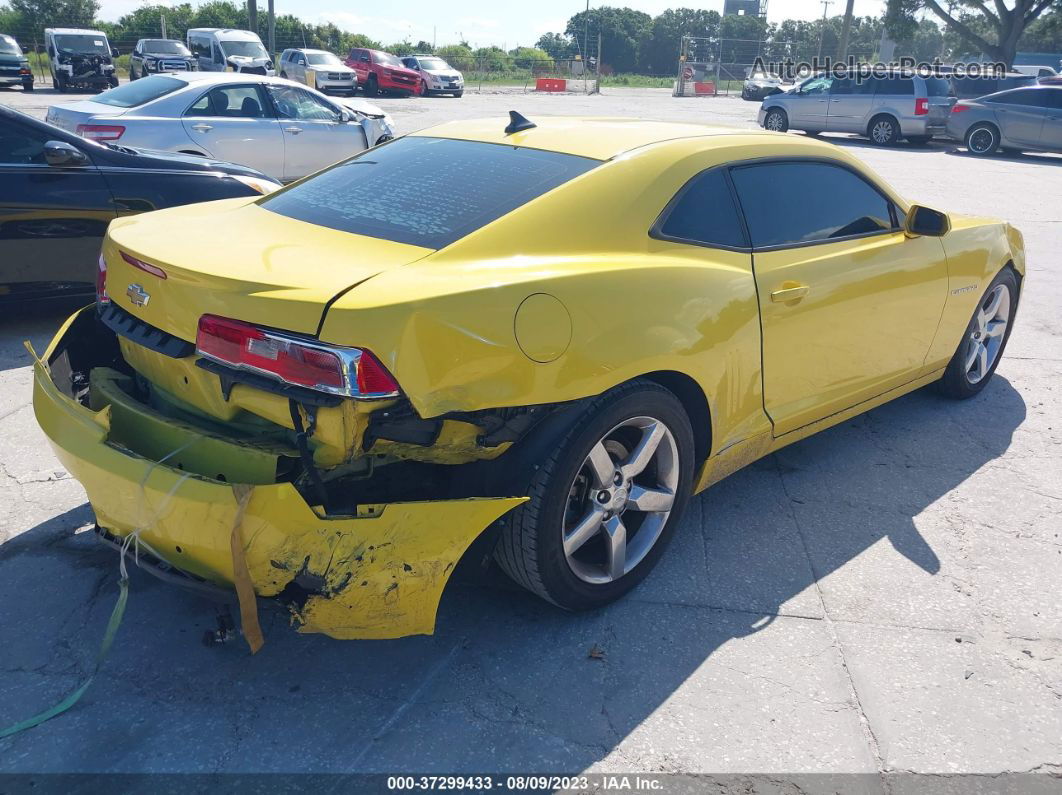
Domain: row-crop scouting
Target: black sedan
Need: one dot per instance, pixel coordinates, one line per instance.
(58, 192)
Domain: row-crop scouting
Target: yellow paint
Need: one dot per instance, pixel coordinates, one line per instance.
(543, 328)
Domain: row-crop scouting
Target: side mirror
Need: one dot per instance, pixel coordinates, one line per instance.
(346, 114)
(924, 221)
(114, 52)
(60, 153)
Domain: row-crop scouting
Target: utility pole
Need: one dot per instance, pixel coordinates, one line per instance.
(252, 16)
(846, 30)
(586, 37)
(272, 30)
(822, 30)
(162, 20)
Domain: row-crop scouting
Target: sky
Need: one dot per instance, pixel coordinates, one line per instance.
(486, 22)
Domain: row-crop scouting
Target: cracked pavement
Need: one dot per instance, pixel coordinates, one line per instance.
(880, 598)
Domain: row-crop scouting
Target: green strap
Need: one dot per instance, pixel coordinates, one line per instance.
(74, 697)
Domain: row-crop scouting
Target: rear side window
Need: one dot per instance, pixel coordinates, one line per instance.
(895, 86)
(134, 94)
(703, 212)
(775, 198)
(234, 102)
(426, 191)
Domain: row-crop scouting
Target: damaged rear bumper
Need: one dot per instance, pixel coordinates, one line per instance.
(378, 573)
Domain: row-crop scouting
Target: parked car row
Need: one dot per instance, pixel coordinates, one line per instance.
(14, 66)
(894, 107)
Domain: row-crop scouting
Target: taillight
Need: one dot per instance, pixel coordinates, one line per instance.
(101, 281)
(147, 267)
(101, 132)
(959, 107)
(921, 106)
(352, 372)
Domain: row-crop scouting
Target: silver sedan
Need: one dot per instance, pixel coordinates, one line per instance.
(1022, 119)
(277, 126)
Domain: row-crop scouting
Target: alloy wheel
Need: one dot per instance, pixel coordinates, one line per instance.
(986, 339)
(620, 500)
(982, 140)
(882, 132)
(774, 122)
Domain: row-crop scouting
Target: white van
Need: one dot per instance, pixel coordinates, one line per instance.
(226, 49)
(80, 58)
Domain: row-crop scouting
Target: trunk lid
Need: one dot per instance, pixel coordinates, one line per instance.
(70, 114)
(235, 259)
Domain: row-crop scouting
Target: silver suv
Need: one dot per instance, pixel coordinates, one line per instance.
(884, 108)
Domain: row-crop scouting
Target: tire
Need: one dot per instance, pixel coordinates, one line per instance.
(982, 140)
(27, 85)
(778, 118)
(59, 81)
(984, 340)
(372, 86)
(458, 94)
(883, 131)
(565, 494)
(423, 90)
(919, 140)
(284, 75)
(112, 81)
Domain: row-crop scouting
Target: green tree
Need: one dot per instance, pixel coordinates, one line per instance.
(459, 56)
(529, 57)
(990, 29)
(621, 31)
(556, 44)
(39, 14)
(659, 50)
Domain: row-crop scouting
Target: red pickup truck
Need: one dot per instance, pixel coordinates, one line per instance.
(380, 71)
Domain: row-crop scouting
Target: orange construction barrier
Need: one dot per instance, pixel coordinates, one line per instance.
(551, 84)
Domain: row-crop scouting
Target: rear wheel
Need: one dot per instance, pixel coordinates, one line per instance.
(776, 120)
(982, 140)
(883, 131)
(604, 502)
(984, 340)
(27, 85)
(372, 86)
(423, 90)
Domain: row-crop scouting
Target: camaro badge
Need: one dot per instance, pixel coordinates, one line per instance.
(137, 295)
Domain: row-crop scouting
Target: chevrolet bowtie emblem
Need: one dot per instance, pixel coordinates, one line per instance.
(137, 295)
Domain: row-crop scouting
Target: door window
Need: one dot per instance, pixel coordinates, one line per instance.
(294, 103)
(852, 86)
(19, 146)
(703, 212)
(816, 85)
(237, 102)
(780, 211)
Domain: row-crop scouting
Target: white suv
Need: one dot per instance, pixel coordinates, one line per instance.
(437, 76)
(318, 69)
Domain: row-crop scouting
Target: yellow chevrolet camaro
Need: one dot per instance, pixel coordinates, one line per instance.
(546, 336)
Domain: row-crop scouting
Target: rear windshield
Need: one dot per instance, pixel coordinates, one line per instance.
(8, 46)
(937, 87)
(138, 92)
(426, 191)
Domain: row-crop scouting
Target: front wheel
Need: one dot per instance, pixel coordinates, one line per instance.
(458, 94)
(982, 140)
(112, 81)
(985, 338)
(604, 502)
(776, 120)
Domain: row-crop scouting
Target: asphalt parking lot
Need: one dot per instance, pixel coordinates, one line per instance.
(883, 597)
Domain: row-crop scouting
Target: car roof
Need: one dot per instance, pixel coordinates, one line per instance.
(61, 31)
(601, 138)
(221, 77)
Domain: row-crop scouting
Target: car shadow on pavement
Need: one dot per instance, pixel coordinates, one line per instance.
(728, 629)
(1037, 158)
(36, 323)
(845, 139)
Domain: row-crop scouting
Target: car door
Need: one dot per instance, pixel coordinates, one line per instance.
(849, 305)
(359, 61)
(1051, 132)
(52, 218)
(810, 107)
(849, 105)
(237, 123)
(1021, 115)
(314, 134)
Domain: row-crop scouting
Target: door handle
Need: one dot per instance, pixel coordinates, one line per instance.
(293, 130)
(202, 127)
(790, 294)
